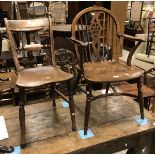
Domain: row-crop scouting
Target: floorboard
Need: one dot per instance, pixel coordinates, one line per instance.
(49, 131)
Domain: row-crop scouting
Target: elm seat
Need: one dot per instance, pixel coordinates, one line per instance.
(110, 72)
(34, 77)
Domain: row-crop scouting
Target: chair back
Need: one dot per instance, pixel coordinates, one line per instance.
(98, 28)
(28, 26)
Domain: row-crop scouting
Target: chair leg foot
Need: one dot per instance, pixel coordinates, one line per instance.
(107, 87)
(54, 105)
(72, 112)
(87, 114)
(23, 146)
(22, 99)
(22, 127)
(52, 95)
(85, 131)
(74, 128)
(87, 108)
(140, 98)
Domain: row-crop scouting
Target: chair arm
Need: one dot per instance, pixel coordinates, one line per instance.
(78, 42)
(139, 41)
(130, 37)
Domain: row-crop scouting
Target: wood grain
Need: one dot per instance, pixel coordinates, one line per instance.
(48, 131)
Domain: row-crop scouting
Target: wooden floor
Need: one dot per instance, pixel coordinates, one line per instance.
(49, 131)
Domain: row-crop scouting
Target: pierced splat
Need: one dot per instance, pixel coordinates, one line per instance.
(96, 30)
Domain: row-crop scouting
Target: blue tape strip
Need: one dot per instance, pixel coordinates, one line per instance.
(89, 134)
(65, 104)
(140, 121)
(16, 150)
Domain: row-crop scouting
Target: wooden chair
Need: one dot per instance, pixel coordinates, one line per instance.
(147, 88)
(36, 77)
(96, 36)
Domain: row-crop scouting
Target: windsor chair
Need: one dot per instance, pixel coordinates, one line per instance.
(96, 36)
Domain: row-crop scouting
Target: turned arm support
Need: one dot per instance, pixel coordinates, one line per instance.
(132, 51)
(130, 37)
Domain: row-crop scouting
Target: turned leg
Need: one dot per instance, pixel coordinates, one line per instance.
(107, 87)
(88, 106)
(13, 96)
(146, 103)
(71, 105)
(140, 97)
(22, 100)
(53, 94)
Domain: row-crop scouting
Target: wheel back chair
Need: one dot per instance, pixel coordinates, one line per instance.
(36, 77)
(97, 39)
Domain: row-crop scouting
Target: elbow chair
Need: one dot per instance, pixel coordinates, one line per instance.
(36, 77)
(96, 37)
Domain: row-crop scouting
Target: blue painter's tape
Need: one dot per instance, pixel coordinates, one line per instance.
(89, 134)
(140, 121)
(65, 104)
(16, 150)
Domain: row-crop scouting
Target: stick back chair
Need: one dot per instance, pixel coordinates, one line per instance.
(37, 76)
(96, 36)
